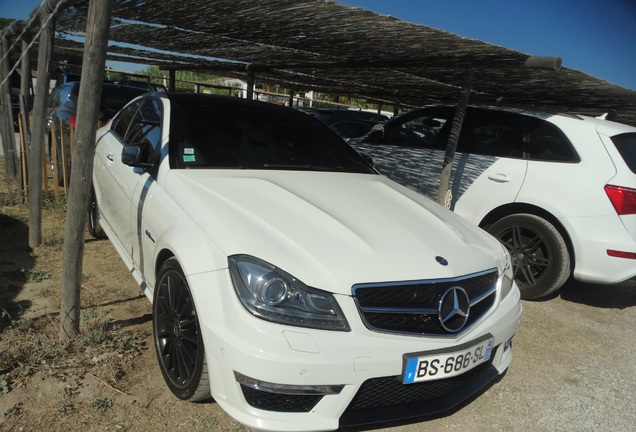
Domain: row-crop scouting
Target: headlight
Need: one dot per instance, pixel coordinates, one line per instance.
(274, 295)
(505, 273)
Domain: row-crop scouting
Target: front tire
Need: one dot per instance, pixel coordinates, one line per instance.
(540, 257)
(177, 335)
(93, 219)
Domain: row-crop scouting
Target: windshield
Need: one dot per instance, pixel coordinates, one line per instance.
(253, 137)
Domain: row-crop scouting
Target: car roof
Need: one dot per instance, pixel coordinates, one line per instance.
(222, 101)
(532, 112)
(529, 111)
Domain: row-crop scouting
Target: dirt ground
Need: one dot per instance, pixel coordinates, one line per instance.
(574, 366)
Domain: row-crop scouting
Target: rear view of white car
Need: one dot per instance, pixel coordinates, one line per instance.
(559, 191)
(289, 281)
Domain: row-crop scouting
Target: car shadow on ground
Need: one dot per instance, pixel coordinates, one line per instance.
(620, 296)
(16, 264)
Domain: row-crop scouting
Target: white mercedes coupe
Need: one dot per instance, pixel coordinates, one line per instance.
(289, 281)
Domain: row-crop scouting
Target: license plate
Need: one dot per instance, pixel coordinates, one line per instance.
(418, 368)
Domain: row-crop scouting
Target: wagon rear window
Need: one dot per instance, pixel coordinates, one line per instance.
(626, 146)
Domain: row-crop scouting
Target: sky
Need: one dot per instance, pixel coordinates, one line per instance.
(595, 37)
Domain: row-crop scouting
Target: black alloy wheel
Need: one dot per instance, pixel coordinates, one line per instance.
(177, 335)
(540, 257)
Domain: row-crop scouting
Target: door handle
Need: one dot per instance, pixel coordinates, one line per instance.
(110, 157)
(499, 178)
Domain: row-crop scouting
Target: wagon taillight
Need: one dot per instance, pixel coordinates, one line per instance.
(623, 199)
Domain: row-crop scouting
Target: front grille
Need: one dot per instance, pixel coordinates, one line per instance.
(412, 307)
(279, 402)
(390, 391)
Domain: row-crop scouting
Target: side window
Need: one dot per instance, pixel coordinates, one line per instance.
(492, 133)
(422, 130)
(145, 129)
(547, 143)
(122, 121)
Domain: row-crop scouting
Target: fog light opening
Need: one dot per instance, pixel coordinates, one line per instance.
(508, 344)
(289, 389)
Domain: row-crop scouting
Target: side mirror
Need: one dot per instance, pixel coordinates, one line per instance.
(135, 156)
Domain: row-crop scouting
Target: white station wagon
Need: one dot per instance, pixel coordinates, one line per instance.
(559, 191)
(289, 280)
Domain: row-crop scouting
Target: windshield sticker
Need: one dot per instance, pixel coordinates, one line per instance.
(188, 154)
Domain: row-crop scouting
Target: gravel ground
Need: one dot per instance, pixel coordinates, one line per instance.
(573, 369)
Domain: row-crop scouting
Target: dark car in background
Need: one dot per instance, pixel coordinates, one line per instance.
(62, 115)
(348, 123)
(149, 86)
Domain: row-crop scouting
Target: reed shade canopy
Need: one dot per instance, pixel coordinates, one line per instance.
(332, 48)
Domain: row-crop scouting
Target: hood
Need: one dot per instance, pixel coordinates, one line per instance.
(331, 230)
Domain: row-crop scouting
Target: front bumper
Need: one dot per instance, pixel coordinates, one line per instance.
(281, 378)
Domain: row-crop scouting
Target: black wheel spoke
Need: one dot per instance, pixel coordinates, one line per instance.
(528, 274)
(535, 243)
(517, 238)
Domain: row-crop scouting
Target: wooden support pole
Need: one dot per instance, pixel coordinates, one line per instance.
(56, 169)
(172, 80)
(39, 124)
(26, 95)
(8, 136)
(64, 157)
(93, 63)
(443, 193)
(251, 78)
(23, 155)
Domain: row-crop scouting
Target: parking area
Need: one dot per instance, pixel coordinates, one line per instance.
(573, 369)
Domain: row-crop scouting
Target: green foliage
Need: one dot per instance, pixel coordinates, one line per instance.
(125, 342)
(14, 410)
(101, 404)
(34, 275)
(53, 205)
(4, 385)
(66, 408)
(5, 22)
(94, 326)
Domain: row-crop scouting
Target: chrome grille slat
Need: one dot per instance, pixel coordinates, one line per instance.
(410, 307)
